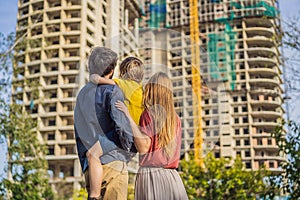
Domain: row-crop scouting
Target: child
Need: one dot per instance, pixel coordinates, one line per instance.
(131, 76)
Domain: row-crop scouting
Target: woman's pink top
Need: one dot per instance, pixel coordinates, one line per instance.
(157, 157)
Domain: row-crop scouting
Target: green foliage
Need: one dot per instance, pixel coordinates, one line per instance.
(80, 194)
(6, 58)
(223, 179)
(289, 144)
(130, 195)
(27, 168)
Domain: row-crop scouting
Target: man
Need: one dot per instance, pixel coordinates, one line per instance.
(103, 131)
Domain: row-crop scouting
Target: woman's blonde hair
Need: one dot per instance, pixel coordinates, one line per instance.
(158, 99)
(132, 68)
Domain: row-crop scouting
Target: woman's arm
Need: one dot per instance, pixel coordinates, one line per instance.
(141, 140)
(96, 79)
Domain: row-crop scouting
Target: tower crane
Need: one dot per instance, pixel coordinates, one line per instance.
(196, 81)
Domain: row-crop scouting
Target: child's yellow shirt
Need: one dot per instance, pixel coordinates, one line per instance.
(133, 93)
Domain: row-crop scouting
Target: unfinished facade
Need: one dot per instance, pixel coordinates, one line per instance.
(59, 35)
(239, 64)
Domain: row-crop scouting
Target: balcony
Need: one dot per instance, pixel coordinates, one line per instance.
(66, 128)
(266, 89)
(44, 113)
(71, 27)
(261, 51)
(265, 123)
(263, 71)
(264, 83)
(66, 142)
(253, 22)
(52, 29)
(260, 41)
(47, 128)
(261, 60)
(24, 3)
(266, 157)
(61, 157)
(259, 31)
(69, 99)
(37, 6)
(72, 20)
(267, 103)
(23, 13)
(53, 16)
(271, 148)
(266, 114)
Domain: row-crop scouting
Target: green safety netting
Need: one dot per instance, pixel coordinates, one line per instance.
(220, 49)
(221, 46)
(158, 12)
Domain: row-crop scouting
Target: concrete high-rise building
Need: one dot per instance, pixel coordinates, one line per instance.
(239, 63)
(55, 39)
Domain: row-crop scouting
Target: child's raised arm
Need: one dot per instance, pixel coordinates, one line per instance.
(96, 79)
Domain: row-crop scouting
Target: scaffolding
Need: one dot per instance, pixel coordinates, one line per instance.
(268, 10)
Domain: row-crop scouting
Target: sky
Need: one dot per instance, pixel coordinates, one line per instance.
(8, 19)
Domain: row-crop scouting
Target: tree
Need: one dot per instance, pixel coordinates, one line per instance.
(290, 65)
(27, 176)
(223, 179)
(27, 168)
(289, 144)
(6, 58)
(292, 33)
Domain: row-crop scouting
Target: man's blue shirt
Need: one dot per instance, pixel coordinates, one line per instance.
(97, 119)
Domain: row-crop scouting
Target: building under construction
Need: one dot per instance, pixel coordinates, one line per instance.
(239, 69)
(238, 66)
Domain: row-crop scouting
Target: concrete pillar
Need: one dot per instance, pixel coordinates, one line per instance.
(114, 26)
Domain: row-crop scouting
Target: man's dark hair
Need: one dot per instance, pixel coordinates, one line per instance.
(108, 70)
(102, 60)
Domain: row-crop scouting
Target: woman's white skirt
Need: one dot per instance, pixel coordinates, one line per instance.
(159, 184)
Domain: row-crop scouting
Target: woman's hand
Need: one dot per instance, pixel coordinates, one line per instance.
(142, 141)
(121, 106)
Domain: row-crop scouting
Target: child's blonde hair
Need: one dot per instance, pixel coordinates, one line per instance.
(132, 68)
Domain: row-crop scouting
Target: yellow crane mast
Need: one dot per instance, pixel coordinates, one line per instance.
(196, 81)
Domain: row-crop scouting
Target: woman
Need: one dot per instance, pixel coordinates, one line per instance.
(158, 140)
